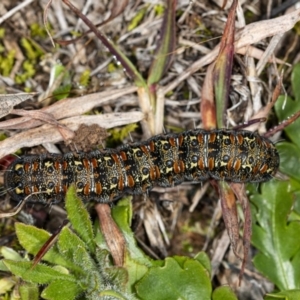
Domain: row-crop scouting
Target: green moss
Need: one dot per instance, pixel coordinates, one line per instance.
(2, 33)
(118, 135)
(159, 9)
(7, 62)
(137, 18)
(111, 67)
(85, 78)
(32, 50)
(28, 72)
(75, 34)
(297, 28)
(36, 30)
(2, 137)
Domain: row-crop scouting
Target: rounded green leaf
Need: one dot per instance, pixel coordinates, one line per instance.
(175, 282)
(224, 293)
(203, 258)
(289, 159)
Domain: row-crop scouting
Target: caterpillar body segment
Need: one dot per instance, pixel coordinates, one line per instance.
(163, 160)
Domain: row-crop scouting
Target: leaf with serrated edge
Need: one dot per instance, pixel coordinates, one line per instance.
(40, 274)
(32, 240)
(69, 244)
(62, 289)
(80, 218)
(277, 240)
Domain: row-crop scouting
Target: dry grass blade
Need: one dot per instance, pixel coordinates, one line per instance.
(8, 101)
(117, 7)
(255, 32)
(68, 108)
(14, 10)
(252, 33)
(50, 134)
(69, 114)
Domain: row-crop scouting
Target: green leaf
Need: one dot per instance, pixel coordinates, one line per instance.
(62, 289)
(296, 81)
(289, 159)
(174, 282)
(136, 271)
(80, 218)
(167, 44)
(203, 258)
(284, 295)
(40, 274)
(29, 291)
(118, 276)
(74, 249)
(122, 214)
(9, 253)
(275, 237)
(224, 293)
(284, 112)
(62, 91)
(32, 239)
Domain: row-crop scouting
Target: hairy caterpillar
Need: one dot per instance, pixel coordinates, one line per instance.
(163, 160)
